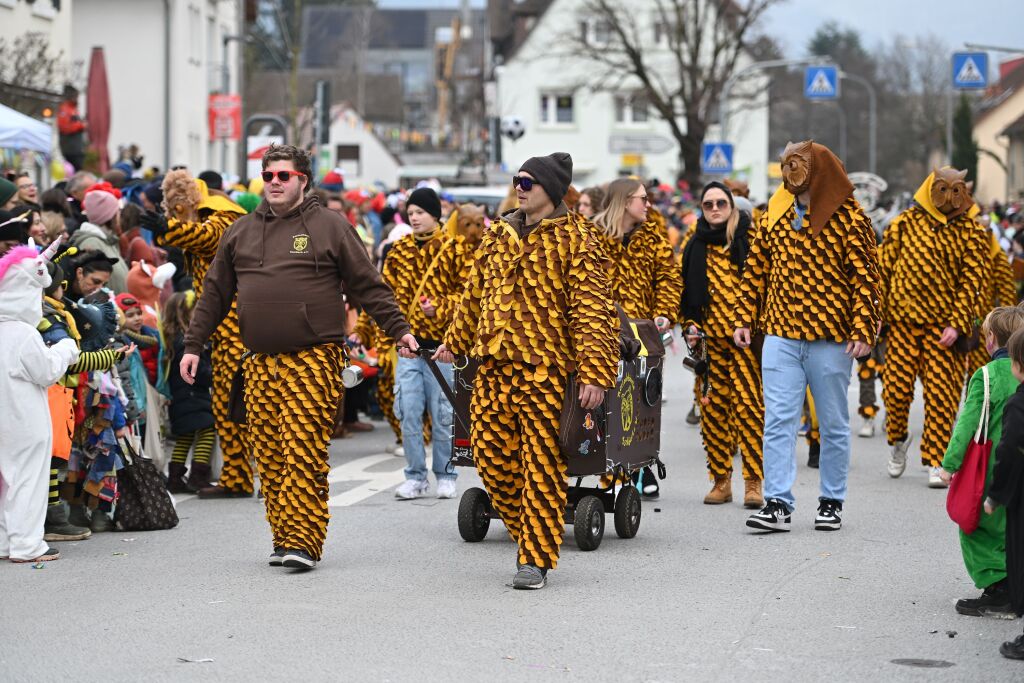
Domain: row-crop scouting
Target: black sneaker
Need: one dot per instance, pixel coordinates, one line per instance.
(276, 558)
(993, 602)
(297, 559)
(530, 577)
(828, 518)
(814, 454)
(774, 516)
(1013, 649)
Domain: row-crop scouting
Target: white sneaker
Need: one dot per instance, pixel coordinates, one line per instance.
(399, 452)
(391, 447)
(935, 478)
(411, 489)
(446, 488)
(898, 456)
(867, 430)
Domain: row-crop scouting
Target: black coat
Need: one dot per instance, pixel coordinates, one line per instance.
(191, 404)
(1007, 489)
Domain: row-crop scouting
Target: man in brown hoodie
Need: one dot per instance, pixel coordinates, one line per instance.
(289, 262)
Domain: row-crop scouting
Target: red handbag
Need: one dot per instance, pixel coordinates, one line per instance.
(967, 489)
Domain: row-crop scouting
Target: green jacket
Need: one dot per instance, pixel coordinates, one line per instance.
(1002, 385)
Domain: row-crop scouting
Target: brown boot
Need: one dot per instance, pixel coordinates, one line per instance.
(199, 476)
(721, 491)
(176, 478)
(752, 498)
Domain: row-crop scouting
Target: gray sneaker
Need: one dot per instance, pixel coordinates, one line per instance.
(277, 558)
(530, 578)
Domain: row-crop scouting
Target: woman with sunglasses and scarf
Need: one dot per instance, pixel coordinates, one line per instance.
(732, 416)
(644, 275)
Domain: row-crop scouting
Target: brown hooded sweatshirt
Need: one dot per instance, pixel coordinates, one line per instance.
(289, 273)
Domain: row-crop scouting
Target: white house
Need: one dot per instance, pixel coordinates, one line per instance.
(164, 58)
(357, 150)
(49, 17)
(614, 131)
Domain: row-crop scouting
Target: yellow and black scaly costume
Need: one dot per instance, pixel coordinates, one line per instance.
(794, 288)
(537, 307)
(932, 274)
(998, 290)
(733, 417)
(199, 240)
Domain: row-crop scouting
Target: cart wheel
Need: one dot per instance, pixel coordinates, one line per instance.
(627, 512)
(588, 525)
(474, 515)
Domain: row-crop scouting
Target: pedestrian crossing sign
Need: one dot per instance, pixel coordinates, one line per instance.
(716, 157)
(970, 70)
(821, 82)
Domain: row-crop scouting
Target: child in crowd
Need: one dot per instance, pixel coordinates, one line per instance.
(984, 549)
(142, 366)
(1006, 491)
(191, 411)
(27, 368)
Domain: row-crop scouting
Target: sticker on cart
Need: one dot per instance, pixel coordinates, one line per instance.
(585, 447)
(588, 421)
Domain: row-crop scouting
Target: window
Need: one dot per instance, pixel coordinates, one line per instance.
(348, 159)
(44, 9)
(662, 29)
(632, 108)
(596, 32)
(556, 108)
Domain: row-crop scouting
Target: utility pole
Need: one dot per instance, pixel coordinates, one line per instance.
(225, 88)
(872, 118)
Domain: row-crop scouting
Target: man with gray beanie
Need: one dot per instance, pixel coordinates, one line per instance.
(537, 313)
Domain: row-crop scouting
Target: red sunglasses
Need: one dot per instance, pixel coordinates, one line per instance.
(283, 176)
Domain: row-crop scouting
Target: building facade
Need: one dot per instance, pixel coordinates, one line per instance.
(994, 128)
(610, 130)
(164, 58)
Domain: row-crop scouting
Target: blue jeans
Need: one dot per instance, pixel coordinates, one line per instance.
(416, 390)
(788, 366)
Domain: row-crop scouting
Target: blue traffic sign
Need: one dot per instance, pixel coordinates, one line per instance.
(716, 157)
(970, 70)
(821, 82)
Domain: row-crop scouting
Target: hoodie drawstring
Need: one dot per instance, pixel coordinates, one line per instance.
(263, 240)
(302, 217)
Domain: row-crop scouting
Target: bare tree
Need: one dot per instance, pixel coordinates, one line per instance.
(28, 66)
(681, 63)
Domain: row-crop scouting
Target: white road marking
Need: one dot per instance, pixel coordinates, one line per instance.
(373, 482)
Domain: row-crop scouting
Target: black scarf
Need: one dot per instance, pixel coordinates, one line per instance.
(695, 263)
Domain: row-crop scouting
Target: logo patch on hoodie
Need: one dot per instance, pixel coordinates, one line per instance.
(300, 244)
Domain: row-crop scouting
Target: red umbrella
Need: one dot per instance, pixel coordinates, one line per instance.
(97, 103)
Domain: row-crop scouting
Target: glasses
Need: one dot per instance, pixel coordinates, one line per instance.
(715, 204)
(25, 186)
(647, 200)
(283, 176)
(522, 181)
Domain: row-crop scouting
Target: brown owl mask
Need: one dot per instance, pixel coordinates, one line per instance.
(796, 167)
(950, 192)
(471, 223)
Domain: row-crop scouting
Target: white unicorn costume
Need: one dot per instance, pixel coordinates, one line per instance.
(27, 368)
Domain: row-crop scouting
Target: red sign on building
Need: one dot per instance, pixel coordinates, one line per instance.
(225, 114)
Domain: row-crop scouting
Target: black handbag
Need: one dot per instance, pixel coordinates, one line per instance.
(143, 503)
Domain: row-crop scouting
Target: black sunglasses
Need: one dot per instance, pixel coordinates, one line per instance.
(523, 182)
(715, 204)
(283, 176)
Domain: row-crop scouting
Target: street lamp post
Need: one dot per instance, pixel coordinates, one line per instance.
(750, 68)
(872, 118)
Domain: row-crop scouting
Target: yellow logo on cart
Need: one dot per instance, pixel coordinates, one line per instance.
(626, 390)
(300, 244)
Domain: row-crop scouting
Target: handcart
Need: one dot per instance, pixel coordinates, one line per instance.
(617, 439)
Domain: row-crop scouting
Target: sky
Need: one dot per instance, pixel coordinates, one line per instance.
(991, 22)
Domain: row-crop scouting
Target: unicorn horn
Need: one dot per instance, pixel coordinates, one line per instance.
(52, 249)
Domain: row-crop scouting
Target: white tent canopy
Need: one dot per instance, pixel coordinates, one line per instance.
(20, 132)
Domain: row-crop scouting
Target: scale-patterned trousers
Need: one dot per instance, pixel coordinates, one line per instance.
(976, 359)
(291, 400)
(733, 417)
(914, 352)
(515, 415)
(236, 465)
(386, 388)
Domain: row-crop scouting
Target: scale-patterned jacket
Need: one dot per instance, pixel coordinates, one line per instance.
(798, 285)
(645, 278)
(541, 297)
(933, 274)
(199, 240)
(999, 289)
(408, 264)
